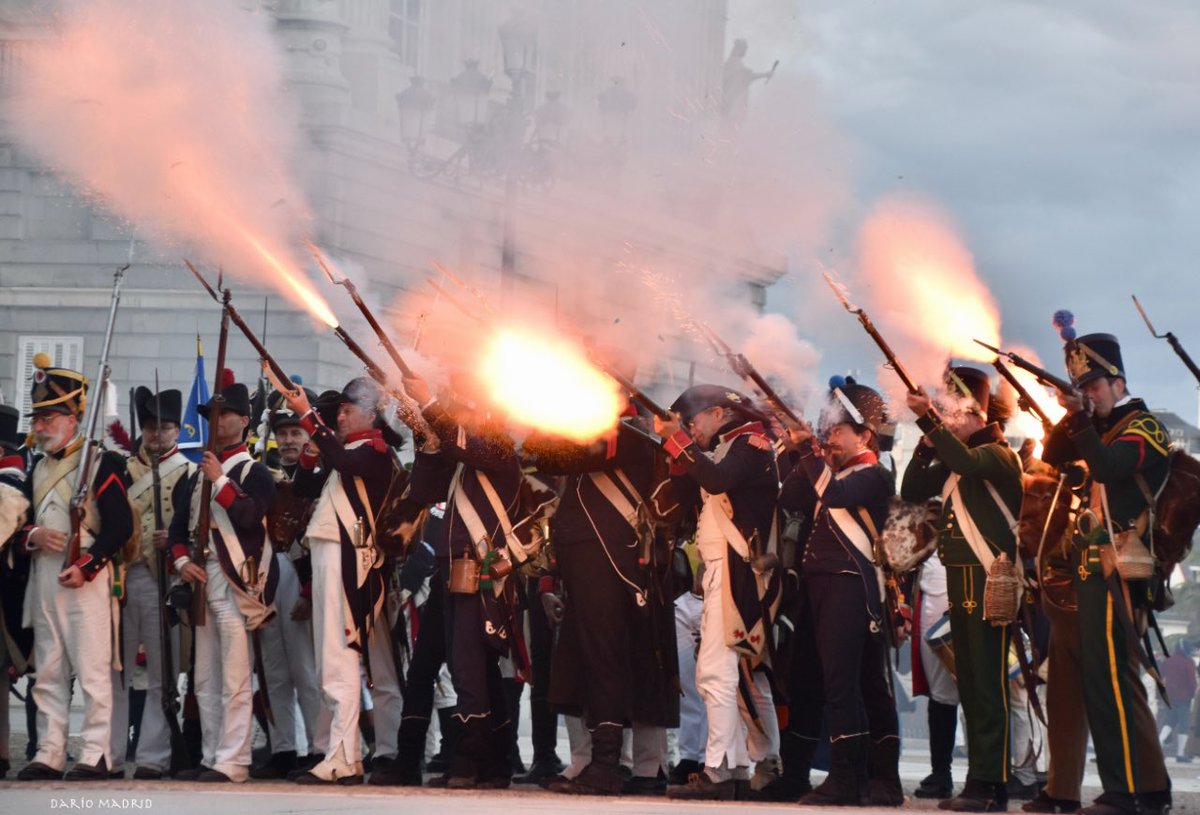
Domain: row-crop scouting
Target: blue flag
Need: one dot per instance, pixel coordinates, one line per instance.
(193, 431)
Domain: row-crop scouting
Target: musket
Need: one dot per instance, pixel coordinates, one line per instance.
(225, 300)
(1025, 399)
(740, 365)
(1039, 373)
(1172, 339)
(200, 535)
(262, 390)
(91, 445)
(633, 391)
(348, 284)
(170, 687)
(840, 292)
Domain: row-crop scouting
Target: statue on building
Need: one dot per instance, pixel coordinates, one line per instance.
(736, 80)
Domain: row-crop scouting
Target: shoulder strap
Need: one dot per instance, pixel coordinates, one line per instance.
(615, 496)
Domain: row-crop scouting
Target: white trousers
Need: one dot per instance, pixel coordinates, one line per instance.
(72, 635)
(223, 690)
(693, 720)
(338, 666)
(140, 620)
(762, 743)
(290, 662)
(942, 687)
(726, 752)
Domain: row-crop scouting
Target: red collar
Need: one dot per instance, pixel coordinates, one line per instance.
(747, 429)
(230, 452)
(162, 458)
(373, 433)
(865, 457)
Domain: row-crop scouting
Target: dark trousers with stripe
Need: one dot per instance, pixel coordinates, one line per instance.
(981, 660)
(1128, 755)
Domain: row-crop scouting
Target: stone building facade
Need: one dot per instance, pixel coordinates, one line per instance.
(390, 201)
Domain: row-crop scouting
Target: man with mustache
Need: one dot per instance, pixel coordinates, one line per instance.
(158, 417)
(236, 578)
(71, 609)
(289, 658)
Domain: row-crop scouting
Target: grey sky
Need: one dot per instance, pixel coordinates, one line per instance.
(1060, 136)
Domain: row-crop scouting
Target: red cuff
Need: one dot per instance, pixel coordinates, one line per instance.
(677, 443)
(227, 494)
(83, 563)
(308, 462)
(309, 422)
(306, 591)
(546, 584)
(178, 550)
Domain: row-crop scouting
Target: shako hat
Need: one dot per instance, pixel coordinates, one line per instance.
(235, 394)
(700, 398)
(852, 403)
(59, 390)
(168, 407)
(965, 382)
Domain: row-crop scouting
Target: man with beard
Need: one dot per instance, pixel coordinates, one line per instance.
(1125, 449)
(158, 417)
(969, 463)
(839, 665)
(474, 464)
(614, 660)
(16, 643)
(351, 625)
(71, 609)
(726, 452)
(236, 579)
(289, 659)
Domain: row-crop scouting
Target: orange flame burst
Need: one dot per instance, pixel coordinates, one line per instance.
(1025, 424)
(923, 281)
(544, 382)
(292, 283)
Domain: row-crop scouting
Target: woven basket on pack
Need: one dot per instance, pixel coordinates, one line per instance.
(1002, 593)
(1134, 561)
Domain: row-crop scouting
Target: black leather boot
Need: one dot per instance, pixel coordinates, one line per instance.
(796, 755)
(846, 784)
(602, 775)
(943, 724)
(883, 772)
(978, 796)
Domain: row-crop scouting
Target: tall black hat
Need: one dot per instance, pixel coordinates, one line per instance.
(1093, 356)
(168, 407)
(852, 403)
(965, 382)
(60, 390)
(326, 406)
(235, 394)
(700, 398)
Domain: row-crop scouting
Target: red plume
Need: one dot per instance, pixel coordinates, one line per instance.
(227, 378)
(120, 435)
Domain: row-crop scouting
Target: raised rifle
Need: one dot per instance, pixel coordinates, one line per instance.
(1039, 373)
(1025, 399)
(740, 365)
(91, 445)
(170, 683)
(1172, 339)
(633, 391)
(348, 284)
(200, 535)
(840, 292)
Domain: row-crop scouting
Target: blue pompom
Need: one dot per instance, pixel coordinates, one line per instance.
(1067, 333)
(299, 380)
(1063, 318)
(837, 381)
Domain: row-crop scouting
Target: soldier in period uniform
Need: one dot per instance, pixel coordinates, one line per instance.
(1124, 447)
(236, 579)
(475, 465)
(841, 664)
(289, 658)
(978, 476)
(349, 585)
(158, 417)
(71, 610)
(725, 450)
(16, 643)
(612, 663)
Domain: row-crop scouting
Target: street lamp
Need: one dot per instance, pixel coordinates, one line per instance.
(471, 91)
(518, 47)
(415, 103)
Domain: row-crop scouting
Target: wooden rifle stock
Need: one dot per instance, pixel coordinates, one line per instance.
(893, 361)
(1170, 337)
(1025, 399)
